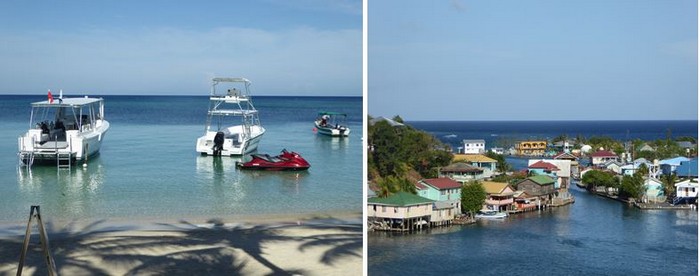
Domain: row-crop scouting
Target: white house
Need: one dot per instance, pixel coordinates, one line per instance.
(630, 169)
(612, 165)
(475, 146)
(686, 191)
(602, 156)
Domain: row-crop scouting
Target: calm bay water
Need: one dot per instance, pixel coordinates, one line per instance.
(148, 168)
(594, 236)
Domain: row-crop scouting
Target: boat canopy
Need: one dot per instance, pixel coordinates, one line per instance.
(68, 102)
(331, 113)
(230, 80)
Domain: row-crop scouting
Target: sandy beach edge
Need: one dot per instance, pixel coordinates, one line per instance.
(302, 244)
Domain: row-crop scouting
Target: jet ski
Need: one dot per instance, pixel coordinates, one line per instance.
(286, 161)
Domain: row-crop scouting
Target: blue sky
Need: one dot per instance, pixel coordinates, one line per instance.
(306, 47)
(533, 60)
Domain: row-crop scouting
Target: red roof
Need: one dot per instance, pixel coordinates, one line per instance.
(442, 183)
(603, 153)
(543, 165)
(420, 186)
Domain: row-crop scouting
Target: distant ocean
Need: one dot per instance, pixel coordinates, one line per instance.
(500, 133)
(148, 167)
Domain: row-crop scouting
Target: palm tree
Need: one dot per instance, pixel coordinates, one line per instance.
(669, 181)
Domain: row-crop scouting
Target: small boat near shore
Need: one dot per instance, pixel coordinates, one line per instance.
(490, 214)
(63, 130)
(286, 161)
(222, 136)
(332, 124)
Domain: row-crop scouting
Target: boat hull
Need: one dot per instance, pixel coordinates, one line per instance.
(77, 146)
(233, 144)
(498, 215)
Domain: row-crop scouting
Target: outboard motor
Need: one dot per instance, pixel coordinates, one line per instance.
(218, 143)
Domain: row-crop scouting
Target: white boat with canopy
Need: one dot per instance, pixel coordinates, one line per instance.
(63, 131)
(220, 136)
(332, 124)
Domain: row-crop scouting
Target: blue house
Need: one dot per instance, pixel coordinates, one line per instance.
(442, 190)
(668, 166)
(688, 169)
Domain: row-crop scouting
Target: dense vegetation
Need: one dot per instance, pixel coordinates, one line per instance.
(473, 196)
(662, 148)
(597, 178)
(396, 153)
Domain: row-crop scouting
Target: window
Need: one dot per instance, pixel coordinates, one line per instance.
(384, 209)
(396, 209)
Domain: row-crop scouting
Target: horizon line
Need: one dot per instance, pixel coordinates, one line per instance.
(179, 95)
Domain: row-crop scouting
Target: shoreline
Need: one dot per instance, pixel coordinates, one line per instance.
(13, 228)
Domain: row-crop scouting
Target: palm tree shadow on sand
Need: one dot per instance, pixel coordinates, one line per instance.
(192, 249)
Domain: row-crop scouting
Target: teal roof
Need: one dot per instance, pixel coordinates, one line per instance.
(331, 113)
(400, 199)
(542, 179)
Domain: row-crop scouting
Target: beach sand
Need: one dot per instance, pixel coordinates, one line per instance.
(310, 245)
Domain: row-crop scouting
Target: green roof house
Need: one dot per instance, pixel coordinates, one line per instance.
(539, 185)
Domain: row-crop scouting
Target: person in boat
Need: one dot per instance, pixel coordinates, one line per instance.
(44, 128)
(59, 125)
(324, 120)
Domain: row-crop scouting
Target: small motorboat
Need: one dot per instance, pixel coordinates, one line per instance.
(332, 124)
(286, 161)
(490, 214)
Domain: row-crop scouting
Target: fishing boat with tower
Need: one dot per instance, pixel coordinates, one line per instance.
(233, 127)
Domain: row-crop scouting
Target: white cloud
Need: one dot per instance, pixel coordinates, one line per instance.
(300, 61)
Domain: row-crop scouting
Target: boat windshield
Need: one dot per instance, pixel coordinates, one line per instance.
(65, 117)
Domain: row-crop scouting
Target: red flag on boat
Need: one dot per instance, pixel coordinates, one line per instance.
(50, 97)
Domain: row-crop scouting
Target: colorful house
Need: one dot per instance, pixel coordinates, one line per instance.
(473, 146)
(600, 157)
(542, 167)
(461, 172)
(401, 211)
(688, 169)
(541, 186)
(499, 196)
(560, 171)
(524, 201)
(668, 166)
(479, 161)
(654, 190)
(444, 190)
(531, 148)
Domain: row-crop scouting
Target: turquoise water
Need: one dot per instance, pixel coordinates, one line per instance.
(148, 167)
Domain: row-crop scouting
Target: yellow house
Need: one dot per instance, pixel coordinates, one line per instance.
(499, 196)
(479, 161)
(531, 148)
